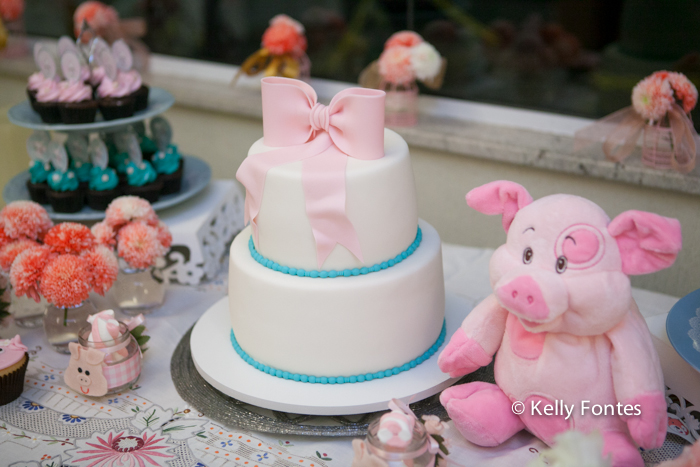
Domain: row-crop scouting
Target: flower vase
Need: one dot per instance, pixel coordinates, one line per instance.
(304, 68)
(26, 313)
(401, 104)
(62, 325)
(137, 290)
(657, 148)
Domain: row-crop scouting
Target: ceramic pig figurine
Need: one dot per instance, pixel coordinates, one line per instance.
(563, 326)
(84, 372)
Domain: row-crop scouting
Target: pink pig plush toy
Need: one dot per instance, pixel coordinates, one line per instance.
(563, 325)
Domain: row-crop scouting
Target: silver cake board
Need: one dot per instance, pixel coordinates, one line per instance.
(219, 364)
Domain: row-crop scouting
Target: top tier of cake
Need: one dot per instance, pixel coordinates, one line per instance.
(380, 203)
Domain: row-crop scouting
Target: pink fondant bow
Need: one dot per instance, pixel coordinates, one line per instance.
(301, 129)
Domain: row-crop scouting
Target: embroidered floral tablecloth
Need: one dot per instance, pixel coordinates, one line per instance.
(149, 425)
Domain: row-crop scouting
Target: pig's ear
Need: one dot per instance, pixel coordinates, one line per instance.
(500, 197)
(94, 357)
(648, 242)
(74, 350)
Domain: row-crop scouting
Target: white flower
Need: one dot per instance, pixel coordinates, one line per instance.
(574, 449)
(286, 19)
(426, 61)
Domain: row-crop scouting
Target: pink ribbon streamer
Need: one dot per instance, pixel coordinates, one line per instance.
(620, 131)
(322, 137)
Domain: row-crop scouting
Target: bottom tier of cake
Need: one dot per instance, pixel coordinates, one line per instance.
(340, 326)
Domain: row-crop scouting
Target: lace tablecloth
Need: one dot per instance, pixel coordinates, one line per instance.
(51, 425)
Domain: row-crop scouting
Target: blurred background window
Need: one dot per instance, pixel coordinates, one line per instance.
(576, 57)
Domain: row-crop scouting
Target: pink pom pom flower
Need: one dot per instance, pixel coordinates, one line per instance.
(284, 36)
(69, 238)
(164, 236)
(27, 269)
(139, 245)
(25, 219)
(395, 65)
(129, 208)
(685, 91)
(104, 234)
(11, 250)
(652, 97)
(103, 266)
(4, 238)
(65, 281)
(403, 39)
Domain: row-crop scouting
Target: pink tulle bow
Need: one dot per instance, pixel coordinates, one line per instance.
(620, 131)
(301, 129)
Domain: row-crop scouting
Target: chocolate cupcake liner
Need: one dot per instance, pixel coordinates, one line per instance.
(48, 111)
(99, 200)
(140, 98)
(149, 192)
(113, 108)
(66, 201)
(172, 182)
(12, 384)
(32, 98)
(78, 112)
(37, 192)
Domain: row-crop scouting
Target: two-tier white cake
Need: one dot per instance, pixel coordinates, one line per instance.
(349, 320)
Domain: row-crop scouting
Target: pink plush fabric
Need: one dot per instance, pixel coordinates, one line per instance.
(500, 197)
(482, 413)
(562, 323)
(648, 242)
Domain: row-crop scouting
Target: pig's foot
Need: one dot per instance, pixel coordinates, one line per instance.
(544, 426)
(481, 412)
(623, 451)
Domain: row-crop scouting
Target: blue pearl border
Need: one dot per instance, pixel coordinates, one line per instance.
(323, 274)
(340, 379)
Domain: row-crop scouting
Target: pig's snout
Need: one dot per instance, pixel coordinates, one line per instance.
(523, 296)
(84, 380)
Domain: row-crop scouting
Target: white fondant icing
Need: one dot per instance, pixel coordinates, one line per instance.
(341, 326)
(380, 203)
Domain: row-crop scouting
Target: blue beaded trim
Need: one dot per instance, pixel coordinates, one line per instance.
(339, 379)
(268, 263)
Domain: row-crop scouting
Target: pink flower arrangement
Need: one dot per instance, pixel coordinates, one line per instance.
(22, 225)
(133, 226)
(656, 94)
(284, 36)
(98, 16)
(66, 268)
(11, 10)
(408, 57)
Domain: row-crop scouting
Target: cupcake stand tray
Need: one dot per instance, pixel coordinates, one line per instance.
(159, 100)
(196, 177)
(228, 373)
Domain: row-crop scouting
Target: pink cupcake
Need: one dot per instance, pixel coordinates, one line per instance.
(96, 77)
(75, 102)
(114, 98)
(138, 90)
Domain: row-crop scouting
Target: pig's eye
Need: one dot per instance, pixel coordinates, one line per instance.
(80, 370)
(2, 349)
(527, 255)
(87, 373)
(561, 264)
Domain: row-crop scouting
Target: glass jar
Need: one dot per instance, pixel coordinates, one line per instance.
(401, 104)
(62, 325)
(27, 313)
(137, 290)
(657, 149)
(121, 366)
(416, 454)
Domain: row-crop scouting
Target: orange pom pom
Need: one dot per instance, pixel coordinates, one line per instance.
(70, 238)
(25, 219)
(65, 281)
(12, 249)
(103, 268)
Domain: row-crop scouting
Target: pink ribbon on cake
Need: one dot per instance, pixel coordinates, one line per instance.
(322, 137)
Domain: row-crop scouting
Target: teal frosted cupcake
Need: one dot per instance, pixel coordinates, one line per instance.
(148, 146)
(103, 188)
(63, 192)
(119, 161)
(142, 181)
(169, 166)
(37, 185)
(82, 173)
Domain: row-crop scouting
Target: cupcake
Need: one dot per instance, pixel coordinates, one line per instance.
(104, 187)
(139, 91)
(119, 161)
(169, 166)
(142, 181)
(64, 193)
(148, 147)
(46, 104)
(13, 365)
(37, 186)
(114, 98)
(75, 102)
(82, 173)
